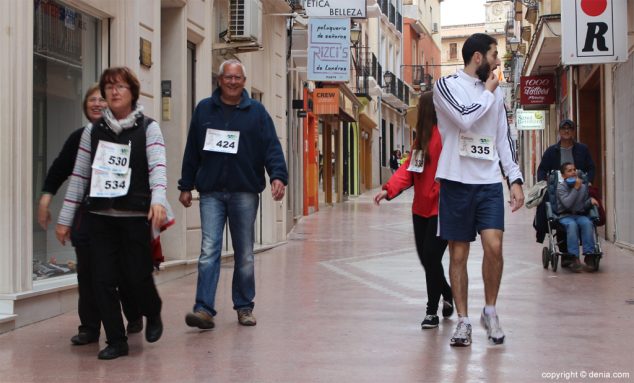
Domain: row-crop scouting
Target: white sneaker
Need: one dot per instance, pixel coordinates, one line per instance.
(492, 325)
(462, 335)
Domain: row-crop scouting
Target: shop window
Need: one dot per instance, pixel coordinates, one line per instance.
(66, 62)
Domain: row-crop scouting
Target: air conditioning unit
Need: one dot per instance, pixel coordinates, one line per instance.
(245, 20)
(434, 28)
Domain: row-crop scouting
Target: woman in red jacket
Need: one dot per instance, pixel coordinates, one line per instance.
(420, 170)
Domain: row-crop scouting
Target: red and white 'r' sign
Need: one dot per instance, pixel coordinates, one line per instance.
(593, 31)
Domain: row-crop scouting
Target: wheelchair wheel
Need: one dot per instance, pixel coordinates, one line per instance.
(554, 261)
(545, 257)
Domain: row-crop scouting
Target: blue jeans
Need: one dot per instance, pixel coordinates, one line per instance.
(240, 209)
(575, 225)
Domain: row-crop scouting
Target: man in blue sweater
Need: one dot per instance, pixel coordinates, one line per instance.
(231, 141)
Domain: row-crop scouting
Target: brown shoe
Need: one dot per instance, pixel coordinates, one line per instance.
(200, 319)
(245, 317)
(576, 266)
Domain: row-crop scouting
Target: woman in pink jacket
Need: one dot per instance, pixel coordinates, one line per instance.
(420, 170)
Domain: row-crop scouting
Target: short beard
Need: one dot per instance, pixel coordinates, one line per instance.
(483, 71)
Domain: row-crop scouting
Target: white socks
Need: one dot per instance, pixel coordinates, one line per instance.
(490, 310)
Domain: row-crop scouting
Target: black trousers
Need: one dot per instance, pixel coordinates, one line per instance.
(430, 250)
(121, 256)
(89, 318)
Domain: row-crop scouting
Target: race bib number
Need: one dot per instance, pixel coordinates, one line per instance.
(475, 146)
(108, 184)
(417, 163)
(222, 141)
(112, 157)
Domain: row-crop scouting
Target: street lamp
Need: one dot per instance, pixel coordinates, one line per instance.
(514, 44)
(355, 34)
(388, 77)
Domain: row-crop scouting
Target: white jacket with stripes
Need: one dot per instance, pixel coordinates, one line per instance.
(464, 105)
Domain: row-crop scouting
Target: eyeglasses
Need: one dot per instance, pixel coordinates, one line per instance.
(119, 87)
(231, 77)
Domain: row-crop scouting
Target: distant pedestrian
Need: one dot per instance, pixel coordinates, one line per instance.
(395, 158)
(419, 170)
(231, 141)
(476, 141)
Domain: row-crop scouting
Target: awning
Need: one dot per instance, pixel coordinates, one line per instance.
(544, 53)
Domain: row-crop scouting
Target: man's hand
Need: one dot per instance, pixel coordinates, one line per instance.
(62, 232)
(578, 183)
(277, 190)
(43, 214)
(185, 198)
(492, 82)
(517, 197)
(157, 215)
(379, 196)
(594, 201)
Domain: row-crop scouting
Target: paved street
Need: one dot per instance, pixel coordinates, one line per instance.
(342, 301)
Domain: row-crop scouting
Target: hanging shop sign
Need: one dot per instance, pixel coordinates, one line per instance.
(593, 31)
(537, 90)
(326, 101)
(329, 49)
(530, 119)
(336, 8)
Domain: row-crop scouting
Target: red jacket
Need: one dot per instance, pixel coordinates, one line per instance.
(426, 188)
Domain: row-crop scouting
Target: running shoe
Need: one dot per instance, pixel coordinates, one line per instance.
(430, 321)
(462, 335)
(492, 325)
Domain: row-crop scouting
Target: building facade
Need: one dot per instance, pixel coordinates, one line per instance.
(596, 96)
(55, 50)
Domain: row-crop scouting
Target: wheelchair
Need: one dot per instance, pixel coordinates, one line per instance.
(556, 234)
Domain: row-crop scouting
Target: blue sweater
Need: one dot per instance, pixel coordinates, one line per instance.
(552, 157)
(258, 149)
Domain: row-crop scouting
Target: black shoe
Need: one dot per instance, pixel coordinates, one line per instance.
(135, 326)
(83, 338)
(113, 351)
(430, 321)
(153, 329)
(447, 308)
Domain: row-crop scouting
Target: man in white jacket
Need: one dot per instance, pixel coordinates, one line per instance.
(476, 145)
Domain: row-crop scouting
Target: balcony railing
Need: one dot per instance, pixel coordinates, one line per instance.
(296, 4)
(398, 89)
(366, 66)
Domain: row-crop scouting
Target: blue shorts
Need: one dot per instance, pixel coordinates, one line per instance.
(465, 209)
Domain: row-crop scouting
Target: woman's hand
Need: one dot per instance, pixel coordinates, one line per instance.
(157, 215)
(379, 196)
(62, 232)
(43, 214)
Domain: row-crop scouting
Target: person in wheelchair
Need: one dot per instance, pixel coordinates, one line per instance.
(567, 149)
(573, 205)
